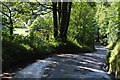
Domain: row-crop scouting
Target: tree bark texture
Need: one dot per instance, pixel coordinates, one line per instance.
(55, 19)
(61, 16)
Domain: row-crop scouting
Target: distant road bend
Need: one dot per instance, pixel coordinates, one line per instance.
(84, 66)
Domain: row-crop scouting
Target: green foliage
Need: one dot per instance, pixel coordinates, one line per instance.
(12, 52)
(87, 20)
(42, 27)
(20, 49)
(72, 48)
(113, 60)
(82, 25)
(107, 21)
(5, 30)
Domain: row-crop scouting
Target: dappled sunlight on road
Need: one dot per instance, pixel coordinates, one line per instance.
(35, 70)
(81, 65)
(92, 69)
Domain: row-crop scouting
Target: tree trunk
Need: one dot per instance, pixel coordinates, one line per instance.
(55, 19)
(98, 35)
(118, 21)
(10, 18)
(61, 16)
(11, 26)
(64, 20)
(68, 19)
(59, 12)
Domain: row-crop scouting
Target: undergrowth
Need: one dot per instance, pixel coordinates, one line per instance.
(113, 59)
(23, 49)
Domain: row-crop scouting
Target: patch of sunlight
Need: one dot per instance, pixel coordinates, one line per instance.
(62, 70)
(91, 61)
(83, 62)
(48, 62)
(29, 73)
(32, 71)
(91, 58)
(27, 46)
(100, 48)
(69, 55)
(23, 32)
(44, 61)
(61, 55)
(109, 45)
(47, 68)
(92, 69)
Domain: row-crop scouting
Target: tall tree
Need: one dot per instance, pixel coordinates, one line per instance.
(8, 15)
(61, 16)
(55, 19)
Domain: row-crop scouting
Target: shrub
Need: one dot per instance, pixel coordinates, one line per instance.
(113, 60)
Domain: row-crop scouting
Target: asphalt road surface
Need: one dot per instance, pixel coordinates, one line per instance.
(81, 66)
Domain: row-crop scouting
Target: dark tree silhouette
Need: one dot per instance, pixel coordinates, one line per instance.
(61, 15)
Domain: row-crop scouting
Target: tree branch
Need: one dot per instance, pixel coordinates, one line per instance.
(44, 5)
(5, 14)
(42, 13)
(6, 6)
(46, 13)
